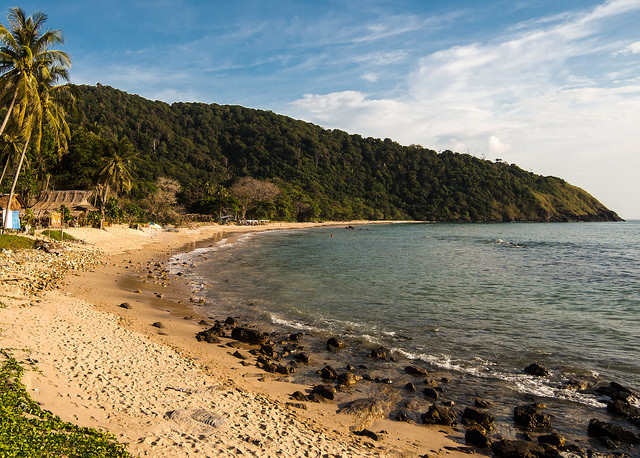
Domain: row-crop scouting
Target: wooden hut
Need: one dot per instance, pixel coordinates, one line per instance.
(78, 202)
(16, 205)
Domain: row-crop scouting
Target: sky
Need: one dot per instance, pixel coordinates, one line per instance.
(550, 85)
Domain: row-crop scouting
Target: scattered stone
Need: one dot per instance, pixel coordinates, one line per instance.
(231, 321)
(367, 410)
(299, 396)
(302, 358)
(347, 379)
(367, 433)
(410, 387)
(413, 370)
(617, 392)
(297, 337)
(210, 335)
(125, 305)
(326, 391)
(529, 418)
(576, 385)
(334, 344)
(553, 438)
(518, 449)
(239, 355)
(285, 370)
(328, 373)
(626, 410)
(615, 433)
(268, 350)
(482, 403)
(473, 416)
(204, 323)
(158, 325)
(297, 405)
(536, 370)
(431, 393)
(379, 353)
(137, 291)
(250, 336)
(440, 415)
(477, 436)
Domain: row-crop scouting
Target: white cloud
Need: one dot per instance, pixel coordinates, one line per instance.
(518, 98)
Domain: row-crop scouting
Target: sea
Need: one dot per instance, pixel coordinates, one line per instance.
(473, 304)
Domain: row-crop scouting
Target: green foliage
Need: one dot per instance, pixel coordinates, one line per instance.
(321, 174)
(28, 431)
(15, 242)
(65, 214)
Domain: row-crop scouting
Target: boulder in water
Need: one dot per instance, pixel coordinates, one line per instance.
(607, 432)
(473, 416)
(529, 418)
(250, 336)
(536, 370)
(334, 344)
(440, 415)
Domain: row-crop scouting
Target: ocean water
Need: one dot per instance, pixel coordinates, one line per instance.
(475, 303)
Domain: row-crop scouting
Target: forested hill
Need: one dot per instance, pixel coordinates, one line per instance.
(322, 174)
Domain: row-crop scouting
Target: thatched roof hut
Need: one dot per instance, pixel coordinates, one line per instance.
(16, 202)
(76, 201)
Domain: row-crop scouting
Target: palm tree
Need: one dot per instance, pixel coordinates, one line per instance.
(31, 70)
(116, 173)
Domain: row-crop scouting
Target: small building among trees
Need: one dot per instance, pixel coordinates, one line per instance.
(78, 203)
(16, 206)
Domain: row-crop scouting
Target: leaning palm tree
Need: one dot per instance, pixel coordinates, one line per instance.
(116, 173)
(31, 70)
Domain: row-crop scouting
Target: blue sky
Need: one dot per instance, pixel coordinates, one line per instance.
(553, 86)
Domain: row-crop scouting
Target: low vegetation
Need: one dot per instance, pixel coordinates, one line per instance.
(28, 431)
(15, 242)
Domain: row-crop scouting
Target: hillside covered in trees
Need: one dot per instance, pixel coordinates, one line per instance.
(319, 173)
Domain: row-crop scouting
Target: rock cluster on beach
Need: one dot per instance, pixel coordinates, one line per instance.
(280, 355)
(24, 272)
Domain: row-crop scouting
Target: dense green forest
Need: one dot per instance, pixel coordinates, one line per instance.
(197, 151)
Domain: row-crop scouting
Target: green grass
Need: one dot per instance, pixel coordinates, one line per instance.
(28, 431)
(55, 235)
(15, 242)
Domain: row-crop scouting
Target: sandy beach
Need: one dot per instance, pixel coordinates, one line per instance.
(139, 372)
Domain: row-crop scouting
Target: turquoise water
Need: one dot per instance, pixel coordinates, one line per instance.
(479, 301)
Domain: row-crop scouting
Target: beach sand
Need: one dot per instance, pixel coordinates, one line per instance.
(157, 388)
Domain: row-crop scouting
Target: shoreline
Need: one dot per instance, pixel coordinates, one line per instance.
(159, 389)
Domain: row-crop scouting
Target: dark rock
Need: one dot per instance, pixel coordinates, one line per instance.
(299, 396)
(328, 373)
(158, 325)
(602, 430)
(210, 335)
(204, 323)
(334, 344)
(379, 353)
(616, 392)
(347, 379)
(297, 337)
(529, 418)
(626, 410)
(518, 449)
(315, 397)
(297, 405)
(440, 415)
(431, 393)
(477, 436)
(250, 336)
(482, 403)
(239, 355)
(268, 350)
(285, 370)
(407, 416)
(268, 366)
(326, 391)
(410, 387)
(231, 321)
(125, 305)
(576, 385)
(537, 370)
(473, 416)
(302, 358)
(413, 370)
(553, 438)
(367, 433)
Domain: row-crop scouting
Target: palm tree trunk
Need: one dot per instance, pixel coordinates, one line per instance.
(6, 117)
(13, 186)
(6, 164)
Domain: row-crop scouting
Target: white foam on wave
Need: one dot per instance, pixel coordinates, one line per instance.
(293, 324)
